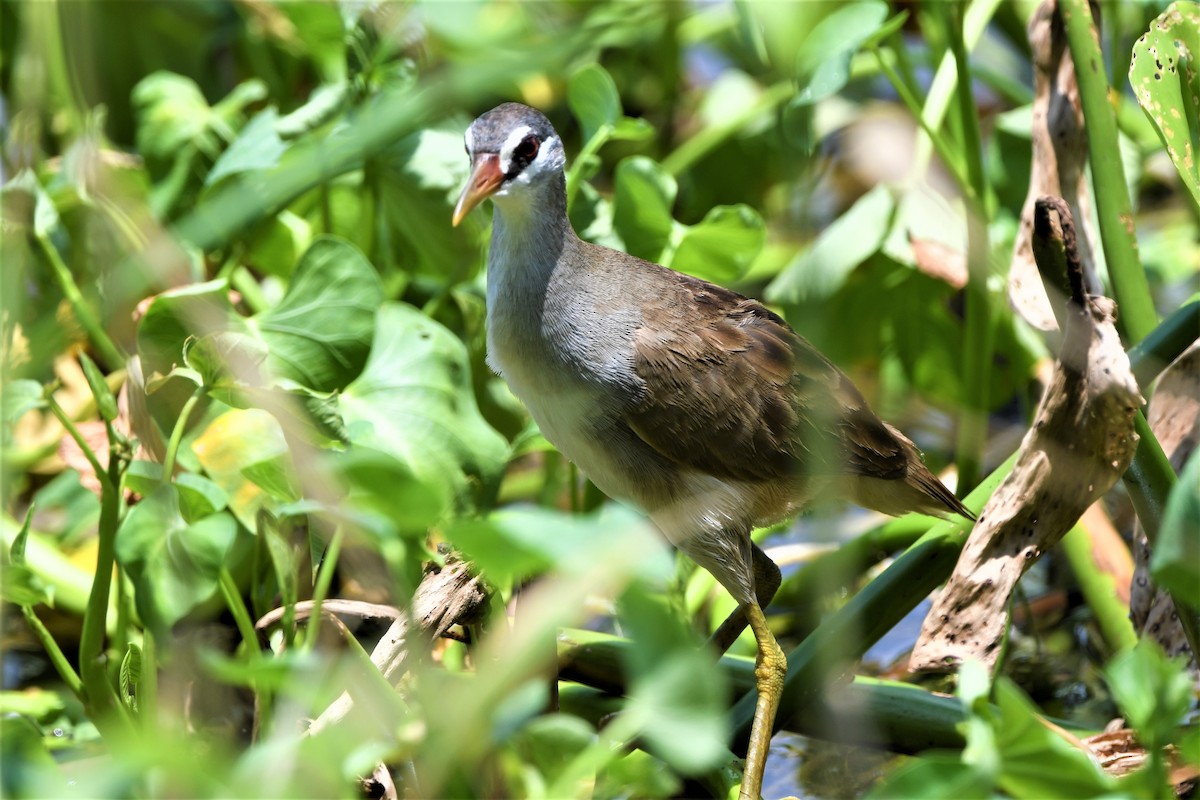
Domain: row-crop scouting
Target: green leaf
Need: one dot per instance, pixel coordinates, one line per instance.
(414, 400)
(383, 485)
(198, 496)
(642, 204)
(130, 675)
(174, 565)
(676, 692)
(518, 542)
(19, 397)
(933, 777)
(179, 314)
(319, 335)
(593, 98)
(172, 114)
(722, 246)
(21, 586)
(823, 63)
(420, 177)
(1035, 760)
(258, 146)
(852, 239)
(323, 105)
(1152, 692)
(276, 476)
(1165, 75)
(1175, 563)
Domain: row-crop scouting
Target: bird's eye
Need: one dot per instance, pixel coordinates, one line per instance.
(526, 151)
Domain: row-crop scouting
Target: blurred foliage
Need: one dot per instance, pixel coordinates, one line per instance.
(243, 361)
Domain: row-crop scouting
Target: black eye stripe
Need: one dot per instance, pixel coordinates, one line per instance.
(524, 154)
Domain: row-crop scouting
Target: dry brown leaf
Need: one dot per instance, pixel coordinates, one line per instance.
(1080, 444)
(939, 261)
(1059, 160)
(1109, 551)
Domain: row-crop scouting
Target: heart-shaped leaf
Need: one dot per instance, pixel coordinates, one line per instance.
(593, 98)
(414, 400)
(174, 565)
(642, 204)
(722, 246)
(320, 333)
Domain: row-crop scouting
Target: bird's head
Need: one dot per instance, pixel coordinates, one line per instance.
(514, 153)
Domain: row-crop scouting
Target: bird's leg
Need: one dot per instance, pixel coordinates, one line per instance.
(766, 582)
(770, 669)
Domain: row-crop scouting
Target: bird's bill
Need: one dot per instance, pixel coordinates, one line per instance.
(485, 179)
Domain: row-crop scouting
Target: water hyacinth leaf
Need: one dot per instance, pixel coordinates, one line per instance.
(320, 333)
(852, 239)
(1175, 563)
(593, 98)
(174, 565)
(1165, 75)
(414, 399)
(823, 64)
(722, 246)
(642, 207)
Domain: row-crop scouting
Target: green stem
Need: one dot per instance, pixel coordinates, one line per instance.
(913, 104)
(177, 434)
(55, 653)
(1130, 287)
(1164, 344)
(977, 350)
(1099, 591)
(321, 588)
(106, 348)
(69, 426)
(241, 615)
(975, 20)
(1149, 481)
(101, 698)
(575, 172)
(248, 288)
(711, 137)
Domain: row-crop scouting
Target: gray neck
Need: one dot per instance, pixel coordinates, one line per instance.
(530, 230)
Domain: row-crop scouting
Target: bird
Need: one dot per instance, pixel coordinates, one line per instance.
(694, 403)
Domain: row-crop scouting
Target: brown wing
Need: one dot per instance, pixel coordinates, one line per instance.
(742, 397)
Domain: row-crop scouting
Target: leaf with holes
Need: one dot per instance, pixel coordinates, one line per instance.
(1165, 75)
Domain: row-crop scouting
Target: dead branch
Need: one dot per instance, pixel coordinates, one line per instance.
(1081, 442)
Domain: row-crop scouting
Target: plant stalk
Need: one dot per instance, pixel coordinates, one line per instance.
(1130, 287)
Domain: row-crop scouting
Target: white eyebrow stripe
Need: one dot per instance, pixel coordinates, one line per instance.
(510, 144)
